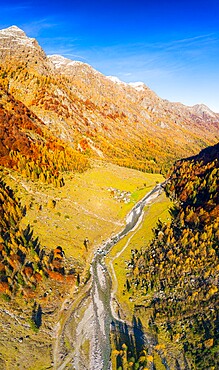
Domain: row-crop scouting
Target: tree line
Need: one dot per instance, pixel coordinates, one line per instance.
(177, 273)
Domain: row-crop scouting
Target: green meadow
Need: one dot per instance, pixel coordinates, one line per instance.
(84, 207)
(120, 255)
(88, 206)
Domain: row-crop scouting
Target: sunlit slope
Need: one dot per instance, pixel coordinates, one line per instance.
(176, 274)
(127, 124)
(92, 204)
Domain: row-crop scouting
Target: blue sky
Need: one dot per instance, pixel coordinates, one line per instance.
(172, 46)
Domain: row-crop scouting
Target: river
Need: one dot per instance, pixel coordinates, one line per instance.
(87, 331)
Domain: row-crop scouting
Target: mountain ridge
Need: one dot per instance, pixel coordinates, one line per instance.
(19, 35)
(57, 117)
(14, 37)
(124, 123)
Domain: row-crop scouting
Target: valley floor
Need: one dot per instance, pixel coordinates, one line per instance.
(94, 205)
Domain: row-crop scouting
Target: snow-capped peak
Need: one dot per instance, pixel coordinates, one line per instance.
(17, 35)
(60, 61)
(116, 80)
(13, 31)
(139, 86)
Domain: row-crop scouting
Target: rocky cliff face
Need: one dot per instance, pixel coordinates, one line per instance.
(138, 92)
(100, 115)
(15, 45)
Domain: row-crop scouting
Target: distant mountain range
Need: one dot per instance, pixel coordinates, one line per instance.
(97, 115)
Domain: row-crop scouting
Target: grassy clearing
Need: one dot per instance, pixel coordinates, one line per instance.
(84, 207)
(117, 262)
(20, 346)
(121, 253)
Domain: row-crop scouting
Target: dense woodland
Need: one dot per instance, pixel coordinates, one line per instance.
(24, 264)
(39, 93)
(177, 273)
(94, 124)
(28, 147)
(52, 123)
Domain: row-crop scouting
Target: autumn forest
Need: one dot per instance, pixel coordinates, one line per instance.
(78, 152)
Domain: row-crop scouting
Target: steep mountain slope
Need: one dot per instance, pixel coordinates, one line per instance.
(23, 262)
(16, 46)
(102, 116)
(54, 115)
(177, 273)
(33, 280)
(27, 145)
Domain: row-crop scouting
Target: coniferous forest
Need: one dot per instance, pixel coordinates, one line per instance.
(177, 272)
(109, 220)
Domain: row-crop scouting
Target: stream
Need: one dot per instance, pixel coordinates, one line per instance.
(92, 322)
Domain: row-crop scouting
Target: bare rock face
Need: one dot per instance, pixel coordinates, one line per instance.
(126, 122)
(124, 95)
(204, 112)
(14, 44)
